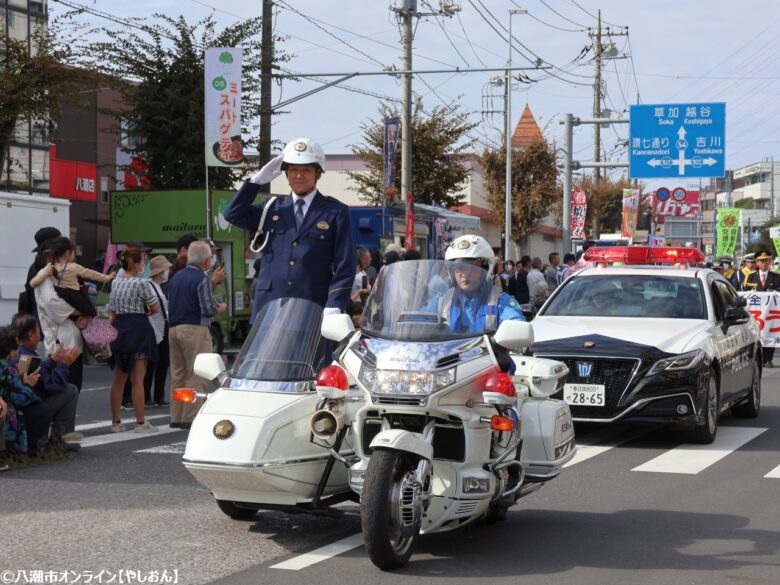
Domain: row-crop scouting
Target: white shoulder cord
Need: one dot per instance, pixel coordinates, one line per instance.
(259, 232)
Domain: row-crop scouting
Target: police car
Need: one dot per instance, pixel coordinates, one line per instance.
(655, 338)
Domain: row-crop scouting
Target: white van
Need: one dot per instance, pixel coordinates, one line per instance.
(21, 216)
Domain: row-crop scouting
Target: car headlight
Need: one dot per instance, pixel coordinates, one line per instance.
(683, 361)
(404, 381)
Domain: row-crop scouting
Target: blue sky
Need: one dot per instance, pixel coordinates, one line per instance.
(691, 51)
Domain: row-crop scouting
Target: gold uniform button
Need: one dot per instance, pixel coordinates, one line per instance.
(322, 237)
(289, 283)
(295, 244)
(292, 262)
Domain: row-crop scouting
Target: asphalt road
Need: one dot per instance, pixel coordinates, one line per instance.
(634, 508)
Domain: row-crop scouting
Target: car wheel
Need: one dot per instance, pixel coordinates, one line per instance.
(751, 406)
(704, 433)
(237, 512)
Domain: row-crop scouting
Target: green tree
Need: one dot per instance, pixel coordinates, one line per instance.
(439, 147)
(158, 70)
(32, 82)
(534, 185)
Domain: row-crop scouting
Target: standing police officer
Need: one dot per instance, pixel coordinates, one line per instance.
(763, 280)
(308, 248)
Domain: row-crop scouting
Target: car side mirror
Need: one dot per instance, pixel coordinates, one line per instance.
(739, 302)
(514, 335)
(209, 366)
(734, 316)
(337, 326)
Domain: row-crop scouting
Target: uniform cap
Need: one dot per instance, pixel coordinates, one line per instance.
(764, 255)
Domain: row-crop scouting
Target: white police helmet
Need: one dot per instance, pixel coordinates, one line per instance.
(303, 151)
(472, 247)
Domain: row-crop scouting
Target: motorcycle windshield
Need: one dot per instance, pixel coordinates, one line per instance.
(430, 300)
(285, 343)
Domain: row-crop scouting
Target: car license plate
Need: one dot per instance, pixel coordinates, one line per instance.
(584, 394)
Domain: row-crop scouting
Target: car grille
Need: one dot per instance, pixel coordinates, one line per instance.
(615, 374)
(399, 400)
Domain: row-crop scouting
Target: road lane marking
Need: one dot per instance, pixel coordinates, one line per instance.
(170, 449)
(107, 423)
(321, 554)
(591, 443)
(128, 435)
(693, 459)
(775, 473)
(95, 388)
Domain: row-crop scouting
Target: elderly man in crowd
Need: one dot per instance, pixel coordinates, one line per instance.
(191, 309)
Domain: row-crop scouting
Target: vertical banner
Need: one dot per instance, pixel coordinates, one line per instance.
(774, 234)
(579, 208)
(392, 127)
(409, 235)
(630, 212)
(728, 219)
(224, 147)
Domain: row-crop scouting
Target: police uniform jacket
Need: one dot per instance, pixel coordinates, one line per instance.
(316, 262)
(753, 282)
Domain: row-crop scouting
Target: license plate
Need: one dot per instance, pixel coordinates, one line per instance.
(584, 394)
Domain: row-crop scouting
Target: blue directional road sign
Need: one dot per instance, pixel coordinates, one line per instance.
(677, 140)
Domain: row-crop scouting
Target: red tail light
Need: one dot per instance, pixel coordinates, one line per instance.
(502, 423)
(502, 383)
(186, 395)
(643, 255)
(333, 377)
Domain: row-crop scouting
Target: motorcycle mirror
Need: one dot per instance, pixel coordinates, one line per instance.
(337, 326)
(514, 335)
(209, 365)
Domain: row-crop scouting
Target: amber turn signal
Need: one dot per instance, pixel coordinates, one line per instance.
(502, 423)
(184, 395)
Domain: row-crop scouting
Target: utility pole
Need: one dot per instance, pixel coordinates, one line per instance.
(410, 9)
(266, 63)
(597, 49)
(508, 139)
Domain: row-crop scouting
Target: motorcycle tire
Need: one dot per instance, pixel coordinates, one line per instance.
(387, 531)
(236, 512)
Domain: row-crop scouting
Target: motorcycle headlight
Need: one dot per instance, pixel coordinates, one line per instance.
(683, 361)
(404, 381)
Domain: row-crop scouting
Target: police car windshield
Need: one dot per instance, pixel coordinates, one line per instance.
(420, 300)
(629, 295)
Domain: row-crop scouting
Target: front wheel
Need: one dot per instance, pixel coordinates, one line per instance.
(751, 406)
(704, 434)
(391, 508)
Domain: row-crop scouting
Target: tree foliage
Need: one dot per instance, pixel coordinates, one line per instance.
(534, 185)
(158, 71)
(439, 144)
(32, 82)
(605, 204)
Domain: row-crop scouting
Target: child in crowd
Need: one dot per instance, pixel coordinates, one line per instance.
(16, 393)
(65, 274)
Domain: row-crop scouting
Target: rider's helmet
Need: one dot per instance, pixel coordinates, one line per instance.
(472, 247)
(303, 151)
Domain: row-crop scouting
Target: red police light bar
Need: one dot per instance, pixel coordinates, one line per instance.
(632, 255)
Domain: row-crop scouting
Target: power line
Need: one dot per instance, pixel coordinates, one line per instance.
(468, 40)
(594, 16)
(327, 32)
(574, 30)
(449, 40)
(633, 68)
(561, 15)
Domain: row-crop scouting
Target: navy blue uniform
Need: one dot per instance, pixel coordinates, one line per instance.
(316, 262)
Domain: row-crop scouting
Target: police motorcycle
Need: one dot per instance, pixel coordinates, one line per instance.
(250, 444)
(446, 434)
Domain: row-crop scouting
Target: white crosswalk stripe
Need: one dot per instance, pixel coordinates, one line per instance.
(107, 423)
(774, 474)
(693, 459)
(602, 441)
(130, 435)
(171, 449)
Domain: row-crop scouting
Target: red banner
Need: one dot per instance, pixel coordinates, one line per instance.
(72, 179)
(409, 235)
(677, 202)
(579, 208)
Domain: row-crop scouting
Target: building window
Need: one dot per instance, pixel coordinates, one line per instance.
(104, 190)
(129, 134)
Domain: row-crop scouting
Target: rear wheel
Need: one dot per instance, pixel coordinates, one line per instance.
(391, 508)
(244, 512)
(705, 433)
(750, 408)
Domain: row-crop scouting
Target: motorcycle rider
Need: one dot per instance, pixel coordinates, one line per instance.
(474, 304)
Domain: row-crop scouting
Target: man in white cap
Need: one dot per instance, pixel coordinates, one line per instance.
(308, 248)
